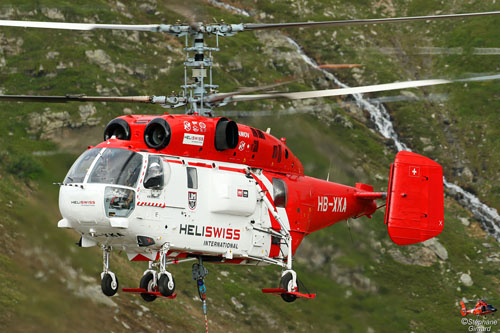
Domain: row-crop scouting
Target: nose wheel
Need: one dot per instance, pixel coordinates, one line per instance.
(109, 281)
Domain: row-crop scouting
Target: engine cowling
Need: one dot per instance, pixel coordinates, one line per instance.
(117, 128)
(226, 134)
(157, 134)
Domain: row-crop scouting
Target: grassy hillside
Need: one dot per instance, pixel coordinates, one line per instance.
(367, 284)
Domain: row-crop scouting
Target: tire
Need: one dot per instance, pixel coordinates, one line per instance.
(163, 285)
(147, 283)
(107, 287)
(284, 282)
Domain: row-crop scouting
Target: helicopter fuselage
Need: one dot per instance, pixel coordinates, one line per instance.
(126, 195)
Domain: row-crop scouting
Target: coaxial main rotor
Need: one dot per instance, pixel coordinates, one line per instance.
(199, 94)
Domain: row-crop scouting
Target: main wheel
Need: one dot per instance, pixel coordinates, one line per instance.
(286, 283)
(166, 286)
(109, 288)
(147, 282)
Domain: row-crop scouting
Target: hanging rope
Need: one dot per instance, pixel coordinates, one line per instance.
(202, 292)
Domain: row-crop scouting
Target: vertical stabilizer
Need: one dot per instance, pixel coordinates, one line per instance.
(414, 211)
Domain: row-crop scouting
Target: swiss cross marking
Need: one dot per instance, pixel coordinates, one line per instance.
(414, 171)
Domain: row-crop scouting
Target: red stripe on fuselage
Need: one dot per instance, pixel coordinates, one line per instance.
(223, 168)
(173, 161)
(199, 164)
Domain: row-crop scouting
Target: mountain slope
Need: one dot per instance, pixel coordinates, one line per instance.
(369, 284)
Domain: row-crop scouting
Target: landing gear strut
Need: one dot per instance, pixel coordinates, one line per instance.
(166, 282)
(199, 272)
(109, 281)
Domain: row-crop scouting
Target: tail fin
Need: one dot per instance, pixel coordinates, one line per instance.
(414, 211)
(463, 310)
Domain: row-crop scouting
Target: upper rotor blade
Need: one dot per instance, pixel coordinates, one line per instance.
(261, 26)
(80, 26)
(355, 90)
(77, 98)
(341, 91)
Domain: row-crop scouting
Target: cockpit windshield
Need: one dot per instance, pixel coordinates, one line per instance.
(118, 167)
(80, 168)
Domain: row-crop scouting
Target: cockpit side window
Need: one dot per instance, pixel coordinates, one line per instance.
(80, 168)
(280, 193)
(154, 174)
(117, 166)
(192, 178)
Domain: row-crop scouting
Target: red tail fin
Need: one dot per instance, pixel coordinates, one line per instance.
(414, 211)
(463, 310)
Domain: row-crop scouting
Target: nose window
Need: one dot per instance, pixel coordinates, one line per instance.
(118, 202)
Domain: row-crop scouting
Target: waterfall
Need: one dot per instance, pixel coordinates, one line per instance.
(488, 217)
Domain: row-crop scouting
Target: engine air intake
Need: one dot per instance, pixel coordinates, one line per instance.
(117, 128)
(226, 134)
(157, 134)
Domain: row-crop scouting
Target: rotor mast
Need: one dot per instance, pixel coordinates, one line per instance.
(198, 65)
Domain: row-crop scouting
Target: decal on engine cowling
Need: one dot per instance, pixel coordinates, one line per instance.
(203, 127)
(332, 204)
(195, 126)
(209, 231)
(193, 139)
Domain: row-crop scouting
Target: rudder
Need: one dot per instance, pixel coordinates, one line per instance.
(414, 211)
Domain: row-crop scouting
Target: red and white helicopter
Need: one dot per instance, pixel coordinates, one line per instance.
(480, 309)
(174, 188)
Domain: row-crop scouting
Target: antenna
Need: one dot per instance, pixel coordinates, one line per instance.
(349, 227)
(328, 176)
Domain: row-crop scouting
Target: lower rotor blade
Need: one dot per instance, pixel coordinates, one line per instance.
(77, 98)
